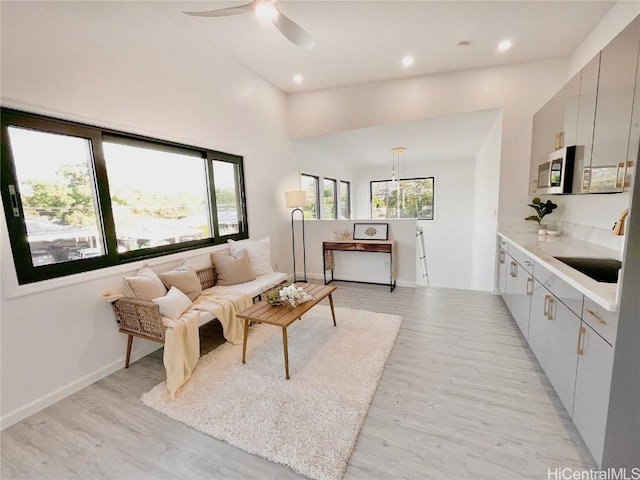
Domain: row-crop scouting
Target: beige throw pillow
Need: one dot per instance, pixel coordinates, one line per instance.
(233, 270)
(145, 285)
(184, 278)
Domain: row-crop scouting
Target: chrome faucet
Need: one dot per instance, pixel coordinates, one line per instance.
(618, 227)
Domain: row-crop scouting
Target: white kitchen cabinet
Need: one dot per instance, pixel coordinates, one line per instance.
(539, 321)
(570, 335)
(612, 129)
(561, 361)
(554, 126)
(502, 271)
(605, 323)
(593, 383)
(539, 144)
(586, 121)
(518, 287)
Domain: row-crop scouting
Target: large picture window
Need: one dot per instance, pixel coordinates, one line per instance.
(157, 197)
(77, 197)
(407, 198)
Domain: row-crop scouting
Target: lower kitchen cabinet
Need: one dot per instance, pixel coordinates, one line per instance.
(502, 271)
(570, 335)
(539, 322)
(561, 360)
(593, 382)
(518, 286)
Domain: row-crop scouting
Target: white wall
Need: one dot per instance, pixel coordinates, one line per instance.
(518, 90)
(485, 215)
(360, 266)
(448, 236)
(64, 59)
(611, 24)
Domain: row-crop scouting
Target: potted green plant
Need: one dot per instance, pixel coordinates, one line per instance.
(542, 209)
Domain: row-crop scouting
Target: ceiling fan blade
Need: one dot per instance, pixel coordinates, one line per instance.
(294, 32)
(224, 12)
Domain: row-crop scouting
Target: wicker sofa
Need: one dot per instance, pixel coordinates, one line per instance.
(139, 318)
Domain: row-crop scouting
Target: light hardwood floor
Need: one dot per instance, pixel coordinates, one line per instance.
(461, 397)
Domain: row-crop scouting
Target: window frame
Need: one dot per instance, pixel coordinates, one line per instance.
(16, 226)
(316, 193)
(348, 184)
(433, 187)
(335, 198)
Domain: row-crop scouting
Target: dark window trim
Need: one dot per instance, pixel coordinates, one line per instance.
(335, 196)
(348, 184)
(317, 192)
(16, 226)
(433, 183)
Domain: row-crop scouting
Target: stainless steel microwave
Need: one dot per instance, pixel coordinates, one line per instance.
(555, 176)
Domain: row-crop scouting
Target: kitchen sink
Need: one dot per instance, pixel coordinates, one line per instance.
(600, 269)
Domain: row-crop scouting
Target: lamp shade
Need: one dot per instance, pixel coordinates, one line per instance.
(296, 198)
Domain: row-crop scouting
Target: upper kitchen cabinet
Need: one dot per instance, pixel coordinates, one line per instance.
(586, 120)
(634, 136)
(563, 114)
(555, 126)
(539, 144)
(614, 110)
(598, 111)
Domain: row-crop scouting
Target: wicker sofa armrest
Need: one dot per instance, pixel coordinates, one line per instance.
(139, 318)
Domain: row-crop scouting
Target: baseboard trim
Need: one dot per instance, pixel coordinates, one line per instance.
(49, 399)
(399, 283)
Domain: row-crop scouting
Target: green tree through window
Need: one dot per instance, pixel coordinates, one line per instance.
(408, 198)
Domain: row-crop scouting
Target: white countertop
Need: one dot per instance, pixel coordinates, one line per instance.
(543, 248)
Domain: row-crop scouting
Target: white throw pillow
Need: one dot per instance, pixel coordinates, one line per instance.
(259, 254)
(173, 304)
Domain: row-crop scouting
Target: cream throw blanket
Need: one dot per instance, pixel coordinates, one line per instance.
(182, 340)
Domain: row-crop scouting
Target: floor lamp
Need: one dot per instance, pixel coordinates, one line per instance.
(296, 199)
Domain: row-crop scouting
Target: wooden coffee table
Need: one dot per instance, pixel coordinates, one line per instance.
(285, 315)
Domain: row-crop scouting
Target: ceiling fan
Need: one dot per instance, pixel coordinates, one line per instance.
(266, 9)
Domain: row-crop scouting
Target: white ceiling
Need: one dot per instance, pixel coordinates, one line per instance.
(356, 42)
(441, 138)
(364, 41)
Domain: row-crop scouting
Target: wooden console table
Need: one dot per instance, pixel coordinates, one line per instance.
(376, 246)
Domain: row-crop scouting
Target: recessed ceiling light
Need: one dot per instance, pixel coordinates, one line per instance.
(407, 61)
(505, 45)
(266, 11)
(297, 78)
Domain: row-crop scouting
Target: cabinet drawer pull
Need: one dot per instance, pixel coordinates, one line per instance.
(597, 317)
(620, 178)
(581, 332)
(501, 256)
(529, 286)
(528, 263)
(546, 305)
(514, 269)
(550, 311)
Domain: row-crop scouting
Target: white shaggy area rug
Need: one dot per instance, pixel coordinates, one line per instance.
(310, 422)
